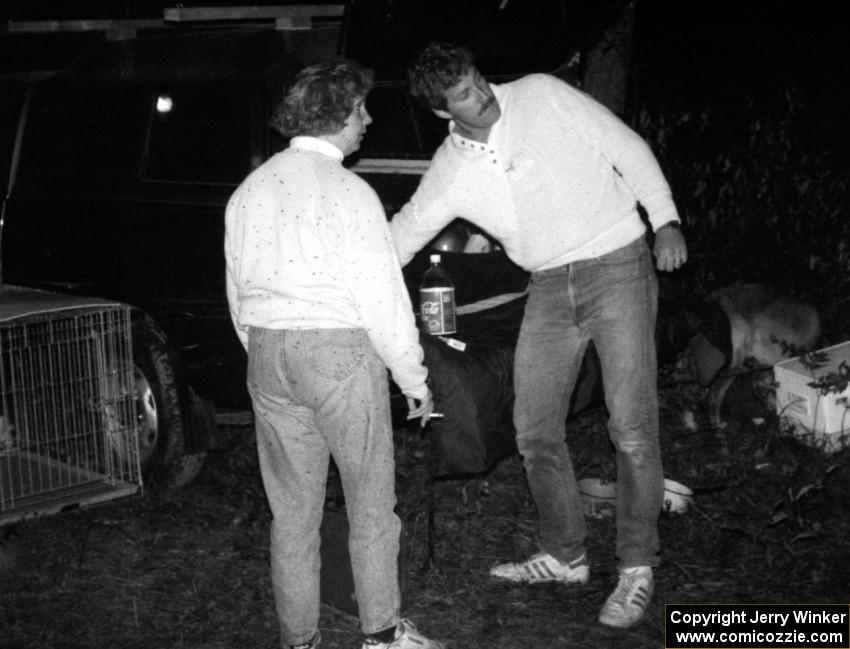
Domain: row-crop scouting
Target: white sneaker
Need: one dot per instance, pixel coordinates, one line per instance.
(543, 567)
(406, 637)
(627, 604)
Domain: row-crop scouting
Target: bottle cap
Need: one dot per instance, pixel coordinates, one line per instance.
(435, 259)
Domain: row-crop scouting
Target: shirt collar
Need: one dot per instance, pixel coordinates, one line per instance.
(464, 143)
(310, 143)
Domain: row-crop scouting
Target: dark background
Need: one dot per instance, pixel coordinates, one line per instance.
(684, 53)
(723, 41)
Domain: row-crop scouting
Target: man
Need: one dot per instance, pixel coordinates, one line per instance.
(317, 298)
(556, 178)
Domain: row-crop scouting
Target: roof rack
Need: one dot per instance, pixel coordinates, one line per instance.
(284, 18)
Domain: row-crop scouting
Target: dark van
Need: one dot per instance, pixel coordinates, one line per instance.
(118, 168)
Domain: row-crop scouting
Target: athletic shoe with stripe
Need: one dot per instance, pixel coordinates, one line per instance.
(543, 567)
(627, 604)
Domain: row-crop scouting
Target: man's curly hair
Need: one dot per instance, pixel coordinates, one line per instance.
(322, 97)
(436, 68)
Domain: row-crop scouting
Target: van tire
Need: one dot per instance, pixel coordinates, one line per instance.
(162, 437)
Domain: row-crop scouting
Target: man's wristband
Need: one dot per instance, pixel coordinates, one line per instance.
(676, 225)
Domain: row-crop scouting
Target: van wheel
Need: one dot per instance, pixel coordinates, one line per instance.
(162, 439)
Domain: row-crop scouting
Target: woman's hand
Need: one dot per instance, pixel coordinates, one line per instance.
(423, 409)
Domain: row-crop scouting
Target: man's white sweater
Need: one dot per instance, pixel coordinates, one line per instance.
(557, 181)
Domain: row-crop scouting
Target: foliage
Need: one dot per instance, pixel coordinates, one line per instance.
(759, 199)
(833, 382)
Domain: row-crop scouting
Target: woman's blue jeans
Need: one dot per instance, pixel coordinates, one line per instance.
(611, 300)
(317, 394)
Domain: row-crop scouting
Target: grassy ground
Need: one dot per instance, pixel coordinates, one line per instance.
(189, 568)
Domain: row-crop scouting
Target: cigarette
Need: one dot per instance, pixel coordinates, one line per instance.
(433, 415)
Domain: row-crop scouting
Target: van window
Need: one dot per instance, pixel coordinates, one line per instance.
(79, 134)
(199, 134)
(402, 129)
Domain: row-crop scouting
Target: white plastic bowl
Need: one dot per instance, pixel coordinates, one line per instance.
(677, 497)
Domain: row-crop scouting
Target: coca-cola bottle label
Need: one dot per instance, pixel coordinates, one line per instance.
(437, 310)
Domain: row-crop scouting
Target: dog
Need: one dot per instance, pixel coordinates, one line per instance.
(765, 327)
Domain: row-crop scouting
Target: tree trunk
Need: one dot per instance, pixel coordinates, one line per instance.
(606, 72)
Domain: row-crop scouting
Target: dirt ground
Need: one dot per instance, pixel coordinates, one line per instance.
(188, 569)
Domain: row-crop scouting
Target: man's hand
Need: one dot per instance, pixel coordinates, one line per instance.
(670, 248)
(423, 410)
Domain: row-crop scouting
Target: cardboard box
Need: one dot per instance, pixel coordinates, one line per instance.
(820, 418)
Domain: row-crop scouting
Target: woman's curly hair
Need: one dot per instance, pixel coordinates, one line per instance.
(436, 68)
(322, 97)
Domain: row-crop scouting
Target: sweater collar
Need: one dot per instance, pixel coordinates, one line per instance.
(310, 143)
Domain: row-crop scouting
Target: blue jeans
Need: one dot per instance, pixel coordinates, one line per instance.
(611, 300)
(317, 394)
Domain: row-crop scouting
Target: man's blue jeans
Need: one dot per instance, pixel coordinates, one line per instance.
(611, 300)
(317, 394)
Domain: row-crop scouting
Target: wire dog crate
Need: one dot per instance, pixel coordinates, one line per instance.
(68, 413)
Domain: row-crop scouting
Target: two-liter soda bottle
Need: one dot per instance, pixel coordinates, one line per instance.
(437, 300)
